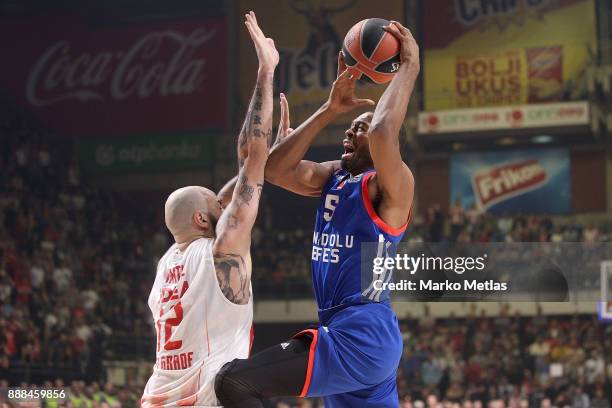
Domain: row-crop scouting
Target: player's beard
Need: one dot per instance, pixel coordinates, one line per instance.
(357, 163)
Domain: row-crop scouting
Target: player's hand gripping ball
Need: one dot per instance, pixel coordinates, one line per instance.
(370, 50)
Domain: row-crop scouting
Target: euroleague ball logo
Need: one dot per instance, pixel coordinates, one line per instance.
(395, 66)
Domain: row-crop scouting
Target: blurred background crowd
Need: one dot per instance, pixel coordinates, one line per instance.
(100, 120)
(76, 264)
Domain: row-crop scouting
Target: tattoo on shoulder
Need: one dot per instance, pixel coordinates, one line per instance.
(233, 278)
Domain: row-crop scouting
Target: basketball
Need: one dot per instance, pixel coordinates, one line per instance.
(371, 51)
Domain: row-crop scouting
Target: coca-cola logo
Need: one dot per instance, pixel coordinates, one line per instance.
(160, 63)
(500, 183)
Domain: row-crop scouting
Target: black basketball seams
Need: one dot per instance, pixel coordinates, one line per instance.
(348, 58)
(372, 34)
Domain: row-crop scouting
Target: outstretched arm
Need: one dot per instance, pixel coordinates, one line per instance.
(224, 196)
(285, 167)
(393, 177)
(231, 248)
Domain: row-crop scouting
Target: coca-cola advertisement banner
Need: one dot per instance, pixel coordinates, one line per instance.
(81, 78)
(519, 181)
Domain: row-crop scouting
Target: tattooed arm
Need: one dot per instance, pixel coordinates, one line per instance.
(224, 196)
(231, 249)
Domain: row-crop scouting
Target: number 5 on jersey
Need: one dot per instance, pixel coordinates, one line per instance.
(331, 202)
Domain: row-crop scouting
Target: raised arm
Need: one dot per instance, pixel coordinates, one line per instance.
(231, 248)
(224, 196)
(393, 177)
(286, 167)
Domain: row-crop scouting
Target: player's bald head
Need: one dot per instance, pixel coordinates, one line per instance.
(191, 209)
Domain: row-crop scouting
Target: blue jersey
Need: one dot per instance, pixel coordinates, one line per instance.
(345, 219)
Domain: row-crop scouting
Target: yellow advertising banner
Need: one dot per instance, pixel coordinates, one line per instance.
(308, 35)
(500, 52)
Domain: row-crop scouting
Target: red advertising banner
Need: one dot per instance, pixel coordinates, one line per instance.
(82, 79)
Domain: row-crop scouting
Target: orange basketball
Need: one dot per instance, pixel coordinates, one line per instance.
(371, 51)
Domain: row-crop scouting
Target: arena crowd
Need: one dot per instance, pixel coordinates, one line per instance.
(76, 267)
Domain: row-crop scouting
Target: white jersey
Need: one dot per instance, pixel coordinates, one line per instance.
(198, 328)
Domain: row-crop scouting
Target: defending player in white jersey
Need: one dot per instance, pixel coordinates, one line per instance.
(201, 299)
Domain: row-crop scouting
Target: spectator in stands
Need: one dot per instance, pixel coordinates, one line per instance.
(457, 218)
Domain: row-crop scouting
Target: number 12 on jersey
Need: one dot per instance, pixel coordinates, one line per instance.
(169, 323)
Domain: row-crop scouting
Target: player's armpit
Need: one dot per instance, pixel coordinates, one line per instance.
(233, 276)
(233, 229)
(224, 196)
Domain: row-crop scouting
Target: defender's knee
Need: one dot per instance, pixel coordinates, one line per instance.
(231, 391)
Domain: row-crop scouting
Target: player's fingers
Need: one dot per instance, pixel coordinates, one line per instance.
(248, 17)
(344, 77)
(256, 24)
(401, 28)
(253, 25)
(289, 130)
(341, 64)
(250, 29)
(271, 42)
(285, 120)
(393, 30)
(364, 102)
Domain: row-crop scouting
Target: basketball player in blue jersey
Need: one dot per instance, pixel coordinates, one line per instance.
(352, 357)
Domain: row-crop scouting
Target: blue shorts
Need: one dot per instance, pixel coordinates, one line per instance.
(354, 356)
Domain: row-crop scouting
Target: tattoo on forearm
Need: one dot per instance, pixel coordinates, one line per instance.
(269, 138)
(252, 126)
(245, 190)
(233, 278)
(254, 115)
